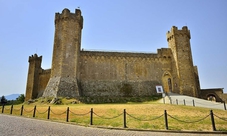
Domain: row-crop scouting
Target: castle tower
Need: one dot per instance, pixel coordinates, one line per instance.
(66, 52)
(33, 77)
(183, 69)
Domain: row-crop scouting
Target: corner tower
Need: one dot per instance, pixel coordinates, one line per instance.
(183, 69)
(66, 52)
(33, 77)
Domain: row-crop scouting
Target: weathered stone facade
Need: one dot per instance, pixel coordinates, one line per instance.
(64, 80)
(78, 73)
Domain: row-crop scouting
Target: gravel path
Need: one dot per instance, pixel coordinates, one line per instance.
(20, 126)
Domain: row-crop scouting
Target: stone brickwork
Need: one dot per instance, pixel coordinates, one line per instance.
(213, 93)
(108, 73)
(79, 73)
(44, 76)
(179, 43)
(67, 40)
(33, 76)
(37, 78)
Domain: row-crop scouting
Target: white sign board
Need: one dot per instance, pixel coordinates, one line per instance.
(159, 89)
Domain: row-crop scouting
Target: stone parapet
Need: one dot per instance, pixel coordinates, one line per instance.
(67, 16)
(175, 32)
(34, 57)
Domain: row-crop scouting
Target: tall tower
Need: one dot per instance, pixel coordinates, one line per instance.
(33, 77)
(183, 69)
(66, 52)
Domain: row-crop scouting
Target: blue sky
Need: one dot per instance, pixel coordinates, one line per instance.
(27, 27)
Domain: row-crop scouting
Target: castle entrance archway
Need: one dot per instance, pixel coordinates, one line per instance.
(167, 82)
(211, 97)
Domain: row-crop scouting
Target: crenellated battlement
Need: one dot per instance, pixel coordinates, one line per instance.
(175, 32)
(34, 57)
(163, 53)
(67, 15)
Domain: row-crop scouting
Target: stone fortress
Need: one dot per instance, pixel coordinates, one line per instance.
(77, 73)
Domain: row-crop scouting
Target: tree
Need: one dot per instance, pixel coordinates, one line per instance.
(3, 100)
(20, 99)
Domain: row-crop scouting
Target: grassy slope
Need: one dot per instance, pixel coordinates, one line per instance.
(142, 111)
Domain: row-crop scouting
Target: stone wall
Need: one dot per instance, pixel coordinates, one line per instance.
(122, 74)
(44, 77)
(216, 92)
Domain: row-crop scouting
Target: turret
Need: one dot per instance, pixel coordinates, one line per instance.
(33, 77)
(185, 80)
(66, 52)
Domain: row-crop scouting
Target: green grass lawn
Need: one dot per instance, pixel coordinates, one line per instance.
(145, 115)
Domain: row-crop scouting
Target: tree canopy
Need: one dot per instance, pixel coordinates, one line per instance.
(3, 100)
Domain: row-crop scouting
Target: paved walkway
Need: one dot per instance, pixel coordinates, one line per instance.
(20, 126)
(187, 100)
